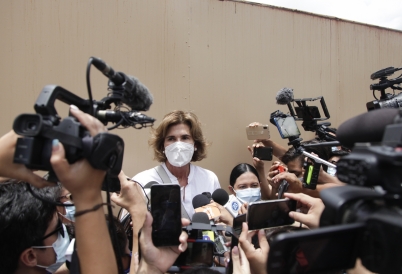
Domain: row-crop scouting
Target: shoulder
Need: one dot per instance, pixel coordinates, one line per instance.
(146, 176)
(206, 175)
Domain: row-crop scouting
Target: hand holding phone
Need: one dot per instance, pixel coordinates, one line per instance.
(270, 213)
(258, 132)
(263, 153)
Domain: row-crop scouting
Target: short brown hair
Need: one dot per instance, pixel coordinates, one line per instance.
(174, 118)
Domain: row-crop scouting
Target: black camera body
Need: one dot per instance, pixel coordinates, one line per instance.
(386, 100)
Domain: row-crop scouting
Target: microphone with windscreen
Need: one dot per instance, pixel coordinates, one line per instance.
(202, 203)
(232, 204)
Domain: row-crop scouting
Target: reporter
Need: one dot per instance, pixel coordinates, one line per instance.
(310, 209)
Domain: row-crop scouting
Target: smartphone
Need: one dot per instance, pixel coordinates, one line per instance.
(199, 253)
(258, 132)
(314, 251)
(270, 213)
(287, 127)
(263, 153)
(238, 223)
(308, 112)
(166, 212)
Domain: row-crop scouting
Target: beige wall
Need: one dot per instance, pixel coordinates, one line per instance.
(224, 60)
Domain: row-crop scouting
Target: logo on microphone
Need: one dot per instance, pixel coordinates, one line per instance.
(235, 206)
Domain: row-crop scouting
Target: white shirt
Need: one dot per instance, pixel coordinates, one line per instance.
(199, 180)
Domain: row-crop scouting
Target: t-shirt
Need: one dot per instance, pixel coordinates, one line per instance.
(199, 180)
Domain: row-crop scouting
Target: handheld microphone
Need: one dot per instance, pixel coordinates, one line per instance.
(201, 203)
(134, 93)
(220, 196)
(284, 96)
(233, 206)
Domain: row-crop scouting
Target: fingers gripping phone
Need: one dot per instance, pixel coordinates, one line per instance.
(287, 126)
(283, 187)
(263, 153)
(166, 213)
(270, 213)
(258, 132)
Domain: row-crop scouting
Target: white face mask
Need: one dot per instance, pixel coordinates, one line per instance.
(248, 195)
(59, 246)
(179, 153)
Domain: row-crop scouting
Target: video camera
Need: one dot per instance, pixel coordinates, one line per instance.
(362, 220)
(386, 100)
(103, 151)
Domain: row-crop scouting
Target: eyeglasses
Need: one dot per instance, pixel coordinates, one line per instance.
(68, 196)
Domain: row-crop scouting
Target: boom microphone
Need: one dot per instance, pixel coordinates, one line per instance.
(366, 127)
(134, 93)
(284, 96)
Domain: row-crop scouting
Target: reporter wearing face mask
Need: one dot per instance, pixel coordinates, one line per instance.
(245, 183)
(177, 142)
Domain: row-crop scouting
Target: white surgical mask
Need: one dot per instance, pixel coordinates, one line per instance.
(179, 153)
(70, 211)
(248, 195)
(59, 246)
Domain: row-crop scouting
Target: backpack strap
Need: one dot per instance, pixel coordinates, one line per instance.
(166, 180)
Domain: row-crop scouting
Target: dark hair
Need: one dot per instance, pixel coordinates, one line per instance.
(120, 233)
(322, 152)
(238, 170)
(23, 220)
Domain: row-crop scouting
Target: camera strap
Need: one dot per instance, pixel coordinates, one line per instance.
(166, 180)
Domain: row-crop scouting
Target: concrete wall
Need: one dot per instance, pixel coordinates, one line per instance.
(224, 60)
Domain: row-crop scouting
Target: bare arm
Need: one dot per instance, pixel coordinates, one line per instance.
(94, 246)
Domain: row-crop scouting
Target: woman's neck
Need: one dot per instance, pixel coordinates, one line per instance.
(181, 173)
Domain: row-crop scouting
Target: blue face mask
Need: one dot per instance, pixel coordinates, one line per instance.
(248, 195)
(70, 211)
(59, 246)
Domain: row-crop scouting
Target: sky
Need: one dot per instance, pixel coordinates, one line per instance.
(384, 13)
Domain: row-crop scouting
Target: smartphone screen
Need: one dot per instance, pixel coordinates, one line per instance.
(263, 153)
(198, 253)
(270, 213)
(166, 212)
(287, 127)
(313, 251)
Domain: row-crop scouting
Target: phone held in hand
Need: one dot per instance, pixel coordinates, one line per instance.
(258, 132)
(270, 213)
(166, 213)
(263, 153)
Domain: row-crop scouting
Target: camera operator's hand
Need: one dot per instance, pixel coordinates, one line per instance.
(243, 208)
(226, 217)
(310, 209)
(266, 189)
(240, 263)
(158, 259)
(84, 182)
(295, 185)
(9, 169)
(258, 258)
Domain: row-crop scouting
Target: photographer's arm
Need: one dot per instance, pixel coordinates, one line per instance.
(131, 199)
(94, 247)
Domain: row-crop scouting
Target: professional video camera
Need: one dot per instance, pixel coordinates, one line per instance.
(288, 129)
(103, 151)
(387, 100)
(362, 220)
(310, 115)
